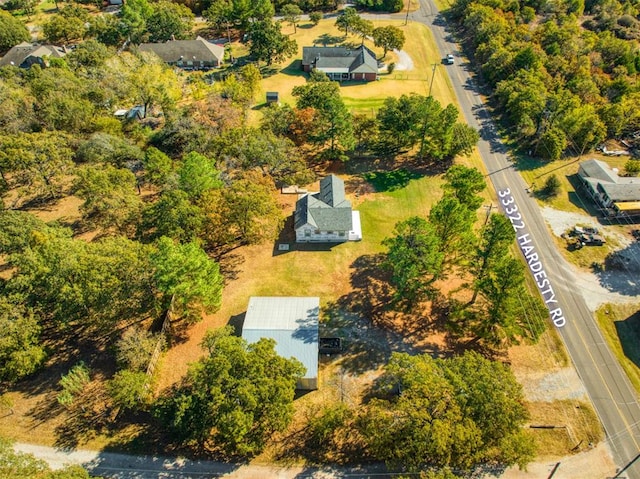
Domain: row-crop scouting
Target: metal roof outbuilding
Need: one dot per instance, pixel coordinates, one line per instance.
(293, 323)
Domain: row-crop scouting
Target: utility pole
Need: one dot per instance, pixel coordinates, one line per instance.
(489, 208)
(433, 75)
(406, 18)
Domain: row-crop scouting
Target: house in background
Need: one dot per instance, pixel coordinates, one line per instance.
(619, 195)
(341, 63)
(26, 54)
(293, 323)
(326, 216)
(198, 54)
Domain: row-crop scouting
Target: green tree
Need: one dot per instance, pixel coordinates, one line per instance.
(130, 389)
(158, 167)
(110, 197)
(245, 213)
(363, 28)
(235, 398)
(134, 15)
(388, 38)
(185, 276)
(39, 162)
(275, 156)
(73, 383)
(169, 20)
(267, 42)
(347, 19)
(61, 28)
(173, 216)
(108, 29)
(451, 412)
(19, 230)
(551, 144)
(397, 122)
(197, 174)
(453, 222)
(631, 167)
(291, 13)
(502, 318)
(414, 259)
(465, 183)
(21, 353)
(87, 285)
(552, 186)
(495, 239)
(315, 17)
(221, 15)
(90, 55)
(12, 31)
(335, 123)
(153, 84)
(103, 147)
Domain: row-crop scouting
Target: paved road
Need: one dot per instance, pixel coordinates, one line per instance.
(609, 388)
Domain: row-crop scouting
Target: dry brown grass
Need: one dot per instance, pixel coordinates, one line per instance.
(578, 427)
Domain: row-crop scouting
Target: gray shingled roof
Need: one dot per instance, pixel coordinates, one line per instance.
(176, 50)
(327, 210)
(600, 170)
(18, 54)
(603, 178)
(359, 60)
(291, 321)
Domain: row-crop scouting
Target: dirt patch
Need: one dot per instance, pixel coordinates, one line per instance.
(612, 276)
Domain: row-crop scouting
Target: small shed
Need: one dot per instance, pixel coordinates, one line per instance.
(273, 97)
(293, 323)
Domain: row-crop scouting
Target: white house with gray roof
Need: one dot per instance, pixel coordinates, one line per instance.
(341, 63)
(293, 323)
(326, 216)
(618, 194)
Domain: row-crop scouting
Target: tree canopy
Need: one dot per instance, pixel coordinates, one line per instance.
(456, 412)
(234, 398)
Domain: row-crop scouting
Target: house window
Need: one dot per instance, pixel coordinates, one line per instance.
(329, 232)
(307, 232)
(345, 76)
(341, 233)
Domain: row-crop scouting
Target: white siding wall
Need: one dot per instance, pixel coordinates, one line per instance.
(308, 234)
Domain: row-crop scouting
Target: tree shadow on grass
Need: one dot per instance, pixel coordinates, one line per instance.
(628, 332)
(294, 69)
(327, 39)
(390, 180)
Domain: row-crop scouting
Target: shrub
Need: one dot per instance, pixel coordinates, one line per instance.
(552, 186)
(391, 67)
(632, 167)
(315, 17)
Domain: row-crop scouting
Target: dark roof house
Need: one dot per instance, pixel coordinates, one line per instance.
(26, 54)
(341, 63)
(326, 216)
(198, 54)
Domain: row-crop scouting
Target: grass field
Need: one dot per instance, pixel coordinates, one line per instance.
(620, 324)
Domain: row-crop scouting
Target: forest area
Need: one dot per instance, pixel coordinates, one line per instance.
(167, 198)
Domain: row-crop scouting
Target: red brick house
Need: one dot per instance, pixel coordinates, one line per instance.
(341, 63)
